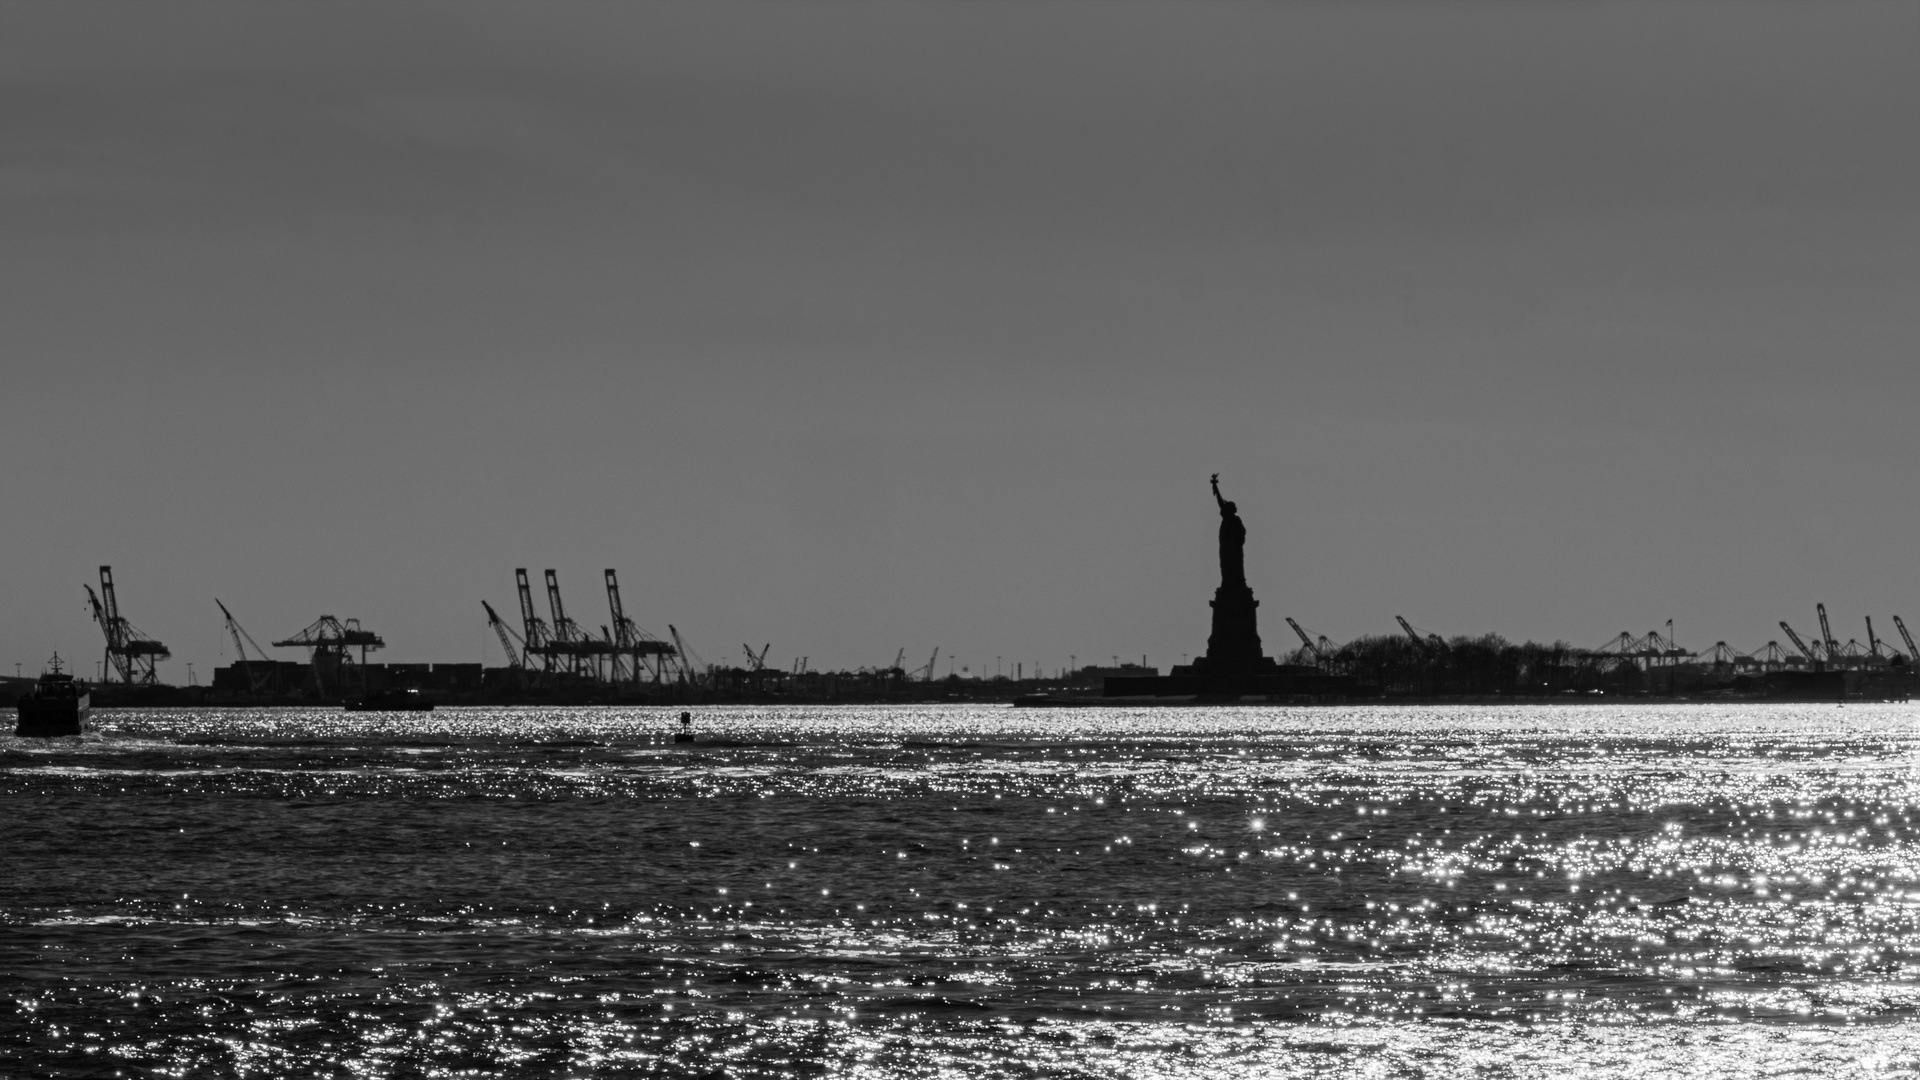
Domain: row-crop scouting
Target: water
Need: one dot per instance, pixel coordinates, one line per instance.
(917, 891)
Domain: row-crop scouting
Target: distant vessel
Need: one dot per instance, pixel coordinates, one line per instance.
(55, 706)
(397, 700)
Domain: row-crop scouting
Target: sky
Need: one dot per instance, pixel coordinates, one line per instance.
(853, 328)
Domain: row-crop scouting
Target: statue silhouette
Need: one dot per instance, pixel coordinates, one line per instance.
(1234, 667)
(1233, 541)
(1234, 645)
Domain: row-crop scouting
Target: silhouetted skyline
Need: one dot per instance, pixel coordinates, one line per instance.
(855, 327)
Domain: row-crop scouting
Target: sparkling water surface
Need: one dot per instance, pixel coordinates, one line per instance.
(967, 891)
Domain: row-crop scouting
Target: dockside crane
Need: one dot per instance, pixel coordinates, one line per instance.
(630, 642)
(757, 661)
(581, 650)
(931, 661)
(1874, 645)
(334, 671)
(687, 657)
(259, 681)
(1318, 656)
(1826, 632)
(506, 636)
(1908, 638)
(129, 651)
(535, 631)
(1810, 654)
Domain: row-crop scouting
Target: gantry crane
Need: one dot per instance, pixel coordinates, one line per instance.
(259, 681)
(757, 661)
(506, 636)
(1302, 635)
(129, 651)
(1431, 641)
(687, 658)
(1908, 638)
(1874, 644)
(632, 645)
(335, 672)
(1826, 632)
(578, 647)
(537, 635)
(931, 661)
(1810, 654)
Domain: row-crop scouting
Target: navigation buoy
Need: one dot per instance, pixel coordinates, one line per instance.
(685, 734)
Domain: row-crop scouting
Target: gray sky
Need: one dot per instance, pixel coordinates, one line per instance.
(853, 327)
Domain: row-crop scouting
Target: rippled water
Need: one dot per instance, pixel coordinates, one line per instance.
(966, 892)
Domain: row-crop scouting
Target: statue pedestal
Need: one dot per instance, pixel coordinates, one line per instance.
(1235, 641)
(1234, 667)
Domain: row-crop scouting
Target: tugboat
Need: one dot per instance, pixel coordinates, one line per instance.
(55, 706)
(408, 699)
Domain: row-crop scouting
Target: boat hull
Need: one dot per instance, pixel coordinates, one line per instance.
(42, 719)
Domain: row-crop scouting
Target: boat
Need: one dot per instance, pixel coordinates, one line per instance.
(409, 699)
(55, 706)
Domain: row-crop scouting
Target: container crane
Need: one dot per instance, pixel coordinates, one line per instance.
(687, 657)
(629, 642)
(1810, 654)
(1874, 644)
(258, 681)
(506, 636)
(757, 661)
(569, 640)
(931, 661)
(1306, 641)
(1826, 632)
(334, 671)
(1908, 638)
(129, 651)
(535, 631)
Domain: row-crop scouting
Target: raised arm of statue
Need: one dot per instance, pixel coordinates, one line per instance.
(1216, 491)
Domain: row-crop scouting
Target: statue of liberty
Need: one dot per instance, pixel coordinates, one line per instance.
(1233, 542)
(1234, 644)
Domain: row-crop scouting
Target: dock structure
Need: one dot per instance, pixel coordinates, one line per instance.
(130, 654)
(561, 652)
(334, 672)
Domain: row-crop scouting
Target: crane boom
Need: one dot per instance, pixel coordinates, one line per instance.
(1799, 644)
(1902, 627)
(256, 681)
(931, 661)
(1305, 640)
(1415, 638)
(505, 634)
(1873, 640)
(564, 628)
(534, 630)
(686, 654)
(130, 652)
(1826, 632)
